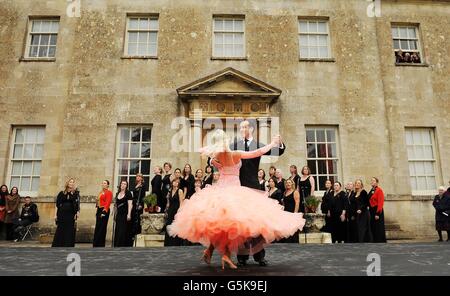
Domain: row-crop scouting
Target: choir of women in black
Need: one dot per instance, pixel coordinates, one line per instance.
(176, 197)
(67, 212)
(123, 205)
(376, 201)
(102, 216)
(441, 203)
(291, 202)
(359, 211)
(338, 206)
(325, 205)
(156, 183)
(274, 192)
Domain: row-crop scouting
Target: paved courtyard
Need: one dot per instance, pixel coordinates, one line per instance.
(284, 259)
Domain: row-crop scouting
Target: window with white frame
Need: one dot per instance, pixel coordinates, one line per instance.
(142, 36)
(322, 154)
(228, 37)
(421, 159)
(406, 44)
(134, 151)
(26, 159)
(314, 39)
(41, 41)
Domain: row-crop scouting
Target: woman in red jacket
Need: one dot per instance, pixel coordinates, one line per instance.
(103, 202)
(376, 201)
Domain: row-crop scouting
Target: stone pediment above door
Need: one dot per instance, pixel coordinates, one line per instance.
(229, 93)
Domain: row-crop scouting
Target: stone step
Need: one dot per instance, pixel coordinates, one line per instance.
(315, 238)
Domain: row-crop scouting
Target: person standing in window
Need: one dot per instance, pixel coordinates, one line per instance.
(104, 200)
(189, 180)
(361, 205)
(12, 212)
(262, 180)
(207, 179)
(157, 187)
(376, 200)
(122, 216)
(441, 203)
(325, 205)
(3, 194)
(338, 209)
(67, 212)
(165, 185)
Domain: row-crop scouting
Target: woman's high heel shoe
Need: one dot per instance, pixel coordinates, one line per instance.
(206, 256)
(227, 260)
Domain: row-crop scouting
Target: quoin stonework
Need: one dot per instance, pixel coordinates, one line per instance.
(90, 90)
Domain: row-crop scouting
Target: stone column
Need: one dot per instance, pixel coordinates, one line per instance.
(264, 135)
(195, 140)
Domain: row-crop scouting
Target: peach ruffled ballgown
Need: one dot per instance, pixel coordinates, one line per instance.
(228, 215)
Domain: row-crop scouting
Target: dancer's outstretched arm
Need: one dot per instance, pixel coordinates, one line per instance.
(261, 151)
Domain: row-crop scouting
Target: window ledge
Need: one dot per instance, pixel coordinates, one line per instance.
(22, 59)
(230, 58)
(139, 57)
(412, 65)
(329, 60)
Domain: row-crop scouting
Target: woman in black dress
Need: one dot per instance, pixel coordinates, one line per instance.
(123, 206)
(361, 204)
(280, 180)
(441, 203)
(262, 180)
(189, 181)
(208, 177)
(325, 205)
(67, 212)
(157, 187)
(291, 202)
(338, 208)
(305, 186)
(165, 187)
(352, 231)
(138, 208)
(274, 192)
(12, 212)
(176, 197)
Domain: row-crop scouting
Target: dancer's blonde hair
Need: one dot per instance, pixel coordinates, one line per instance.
(220, 143)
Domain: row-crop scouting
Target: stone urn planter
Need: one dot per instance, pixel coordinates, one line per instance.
(152, 223)
(314, 222)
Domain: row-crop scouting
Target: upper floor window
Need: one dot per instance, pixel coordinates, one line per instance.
(142, 36)
(422, 159)
(228, 37)
(314, 39)
(406, 44)
(41, 40)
